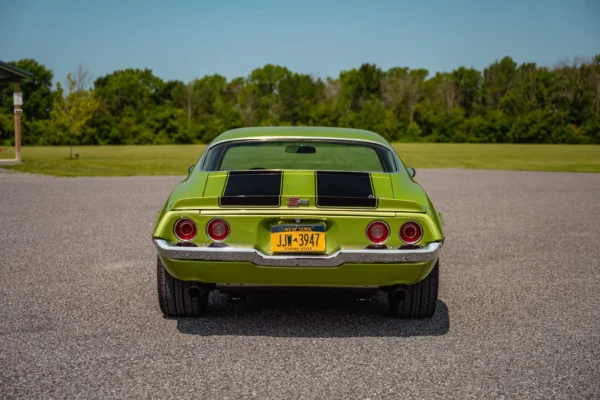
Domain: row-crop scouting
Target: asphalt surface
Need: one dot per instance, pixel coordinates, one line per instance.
(518, 315)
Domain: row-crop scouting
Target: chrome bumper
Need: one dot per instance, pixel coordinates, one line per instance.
(366, 256)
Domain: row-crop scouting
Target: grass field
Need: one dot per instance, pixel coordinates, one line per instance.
(175, 159)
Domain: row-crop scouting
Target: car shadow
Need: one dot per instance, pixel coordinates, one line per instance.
(314, 317)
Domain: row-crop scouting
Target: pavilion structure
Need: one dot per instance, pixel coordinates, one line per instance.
(9, 74)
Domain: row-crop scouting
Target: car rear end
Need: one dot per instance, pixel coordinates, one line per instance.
(242, 219)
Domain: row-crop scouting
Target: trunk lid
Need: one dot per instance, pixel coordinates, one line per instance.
(296, 191)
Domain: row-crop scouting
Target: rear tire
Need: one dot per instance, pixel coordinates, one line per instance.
(421, 298)
(173, 296)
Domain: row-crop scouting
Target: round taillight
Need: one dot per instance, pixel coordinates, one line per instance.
(185, 229)
(217, 230)
(411, 233)
(378, 232)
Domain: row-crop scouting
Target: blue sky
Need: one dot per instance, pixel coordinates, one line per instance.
(188, 39)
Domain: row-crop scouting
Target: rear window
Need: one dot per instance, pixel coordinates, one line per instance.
(300, 155)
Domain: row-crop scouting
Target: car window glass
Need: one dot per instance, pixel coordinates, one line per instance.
(322, 155)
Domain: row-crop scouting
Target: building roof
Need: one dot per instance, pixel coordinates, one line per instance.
(10, 73)
(300, 132)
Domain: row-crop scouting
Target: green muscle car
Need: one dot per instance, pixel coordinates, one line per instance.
(298, 207)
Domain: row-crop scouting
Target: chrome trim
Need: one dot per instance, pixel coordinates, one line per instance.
(292, 138)
(298, 137)
(340, 257)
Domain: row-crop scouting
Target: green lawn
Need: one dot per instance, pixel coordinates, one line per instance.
(175, 159)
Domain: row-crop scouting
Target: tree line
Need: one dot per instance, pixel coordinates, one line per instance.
(504, 103)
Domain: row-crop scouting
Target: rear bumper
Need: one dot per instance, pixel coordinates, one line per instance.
(246, 255)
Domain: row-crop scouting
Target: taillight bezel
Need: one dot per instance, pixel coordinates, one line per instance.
(420, 230)
(387, 236)
(185, 238)
(219, 238)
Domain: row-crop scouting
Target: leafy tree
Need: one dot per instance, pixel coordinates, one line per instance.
(394, 89)
(37, 92)
(416, 82)
(73, 110)
(264, 84)
(360, 85)
(297, 95)
(413, 132)
(505, 102)
(245, 102)
(129, 92)
(37, 102)
(468, 81)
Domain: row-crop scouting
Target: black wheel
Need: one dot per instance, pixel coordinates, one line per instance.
(174, 297)
(418, 300)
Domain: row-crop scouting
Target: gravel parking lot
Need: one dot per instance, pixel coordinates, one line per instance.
(518, 315)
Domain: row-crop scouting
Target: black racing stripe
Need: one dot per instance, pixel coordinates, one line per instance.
(344, 189)
(252, 188)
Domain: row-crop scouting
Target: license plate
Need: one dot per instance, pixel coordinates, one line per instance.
(298, 239)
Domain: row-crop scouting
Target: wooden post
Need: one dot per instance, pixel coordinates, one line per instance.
(18, 112)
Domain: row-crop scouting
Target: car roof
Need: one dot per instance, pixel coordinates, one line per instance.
(268, 132)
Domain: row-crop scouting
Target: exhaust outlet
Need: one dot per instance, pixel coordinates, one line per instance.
(194, 292)
(399, 294)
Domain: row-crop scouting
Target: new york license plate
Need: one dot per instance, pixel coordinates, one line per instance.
(298, 239)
